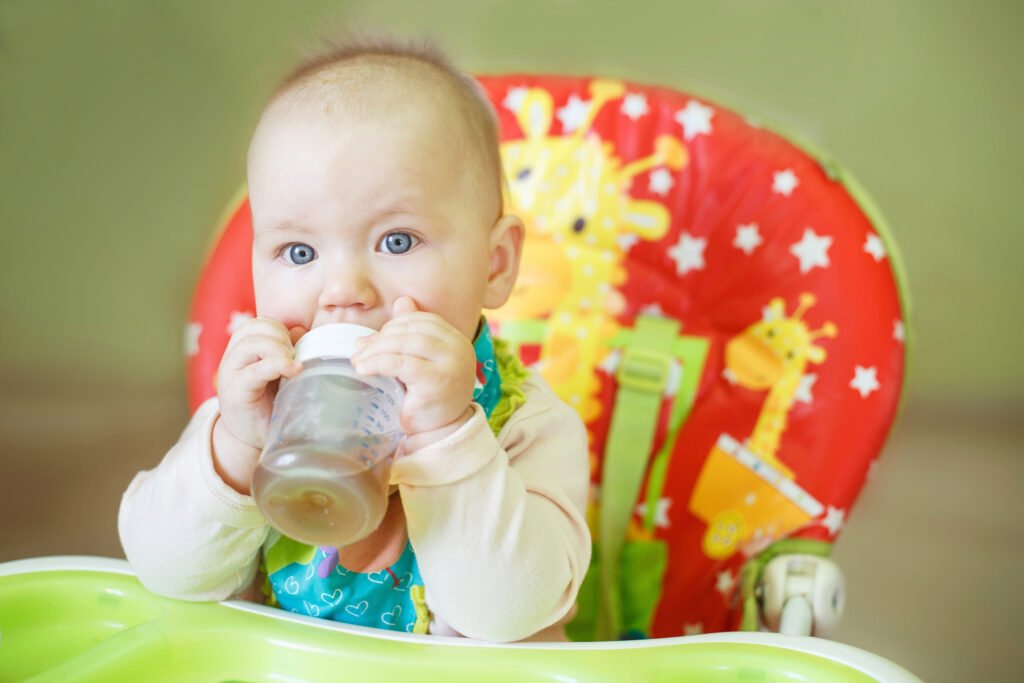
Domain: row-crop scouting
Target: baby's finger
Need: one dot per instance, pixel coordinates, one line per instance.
(404, 305)
(422, 346)
(255, 378)
(258, 326)
(406, 369)
(267, 326)
(255, 348)
(420, 323)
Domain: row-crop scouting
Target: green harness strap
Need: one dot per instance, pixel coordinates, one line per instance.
(693, 352)
(642, 376)
(648, 352)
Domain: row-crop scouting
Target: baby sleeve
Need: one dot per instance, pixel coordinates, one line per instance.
(498, 523)
(186, 533)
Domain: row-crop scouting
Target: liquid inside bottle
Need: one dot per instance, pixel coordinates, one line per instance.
(326, 493)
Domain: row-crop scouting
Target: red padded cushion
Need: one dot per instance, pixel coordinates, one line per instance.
(751, 230)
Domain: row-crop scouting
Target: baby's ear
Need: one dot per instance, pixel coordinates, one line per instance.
(506, 248)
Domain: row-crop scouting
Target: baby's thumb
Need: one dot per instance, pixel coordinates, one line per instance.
(404, 305)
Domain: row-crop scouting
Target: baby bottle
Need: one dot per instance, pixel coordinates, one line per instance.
(322, 477)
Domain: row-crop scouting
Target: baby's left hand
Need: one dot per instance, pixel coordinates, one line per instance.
(434, 361)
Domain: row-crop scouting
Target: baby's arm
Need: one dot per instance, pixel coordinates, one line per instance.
(189, 528)
(186, 533)
(498, 524)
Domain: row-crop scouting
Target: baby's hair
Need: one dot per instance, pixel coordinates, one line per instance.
(350, 60)
(354, 47)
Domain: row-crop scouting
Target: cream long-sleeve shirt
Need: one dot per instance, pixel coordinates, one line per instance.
(497, 522)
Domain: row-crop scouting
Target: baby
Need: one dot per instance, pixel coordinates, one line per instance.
(376, 194)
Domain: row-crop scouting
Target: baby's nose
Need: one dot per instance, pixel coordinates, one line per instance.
(348, 288)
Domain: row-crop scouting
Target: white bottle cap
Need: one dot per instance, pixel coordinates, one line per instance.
(337, 340)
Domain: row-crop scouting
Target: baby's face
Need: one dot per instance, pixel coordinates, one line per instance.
(350, 215)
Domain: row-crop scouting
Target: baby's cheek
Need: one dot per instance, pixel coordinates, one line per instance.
(267, 304)
(282, 309)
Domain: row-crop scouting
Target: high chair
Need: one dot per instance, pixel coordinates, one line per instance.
(727, 313)
(725, 310)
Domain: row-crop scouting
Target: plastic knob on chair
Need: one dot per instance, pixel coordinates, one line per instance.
(802, 595)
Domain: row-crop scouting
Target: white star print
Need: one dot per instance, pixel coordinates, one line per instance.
(192, 332)
(726, 582)
(573, 114)
(874, 246)
(660, 512)
(514, 98)
(899, 333)
(747, 238)
(635, 105)
(660, 181)
(688, 253)
(675, 376)
(610, 364)
(653, 309)
(865, 380)
(784, 182)
(238, 318)
(627, 241)
(803, 392)
(730, 376)
(693, 629)
(833, 520)
(695, 119)
(812, 250)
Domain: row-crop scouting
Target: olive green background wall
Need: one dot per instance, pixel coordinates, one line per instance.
(124, 124)
(123, 130)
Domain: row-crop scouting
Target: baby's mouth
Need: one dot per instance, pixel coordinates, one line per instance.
(347, 320)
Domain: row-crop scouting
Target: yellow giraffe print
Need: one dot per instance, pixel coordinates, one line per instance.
(773, 354)
(572, 193)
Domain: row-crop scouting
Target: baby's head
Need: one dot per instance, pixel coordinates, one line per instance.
(374, 174)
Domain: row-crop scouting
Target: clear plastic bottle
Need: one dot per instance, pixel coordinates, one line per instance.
(323, 475)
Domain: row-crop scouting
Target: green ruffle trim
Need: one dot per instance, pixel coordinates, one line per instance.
(513, 373)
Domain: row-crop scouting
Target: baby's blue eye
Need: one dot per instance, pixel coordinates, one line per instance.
(299, 254)
(398, 242)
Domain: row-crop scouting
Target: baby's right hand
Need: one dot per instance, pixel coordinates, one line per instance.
(260, 353)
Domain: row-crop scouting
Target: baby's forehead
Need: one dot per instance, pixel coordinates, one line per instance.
(411, 104)
(424, 103)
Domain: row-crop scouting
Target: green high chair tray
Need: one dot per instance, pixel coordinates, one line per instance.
(79, 619)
